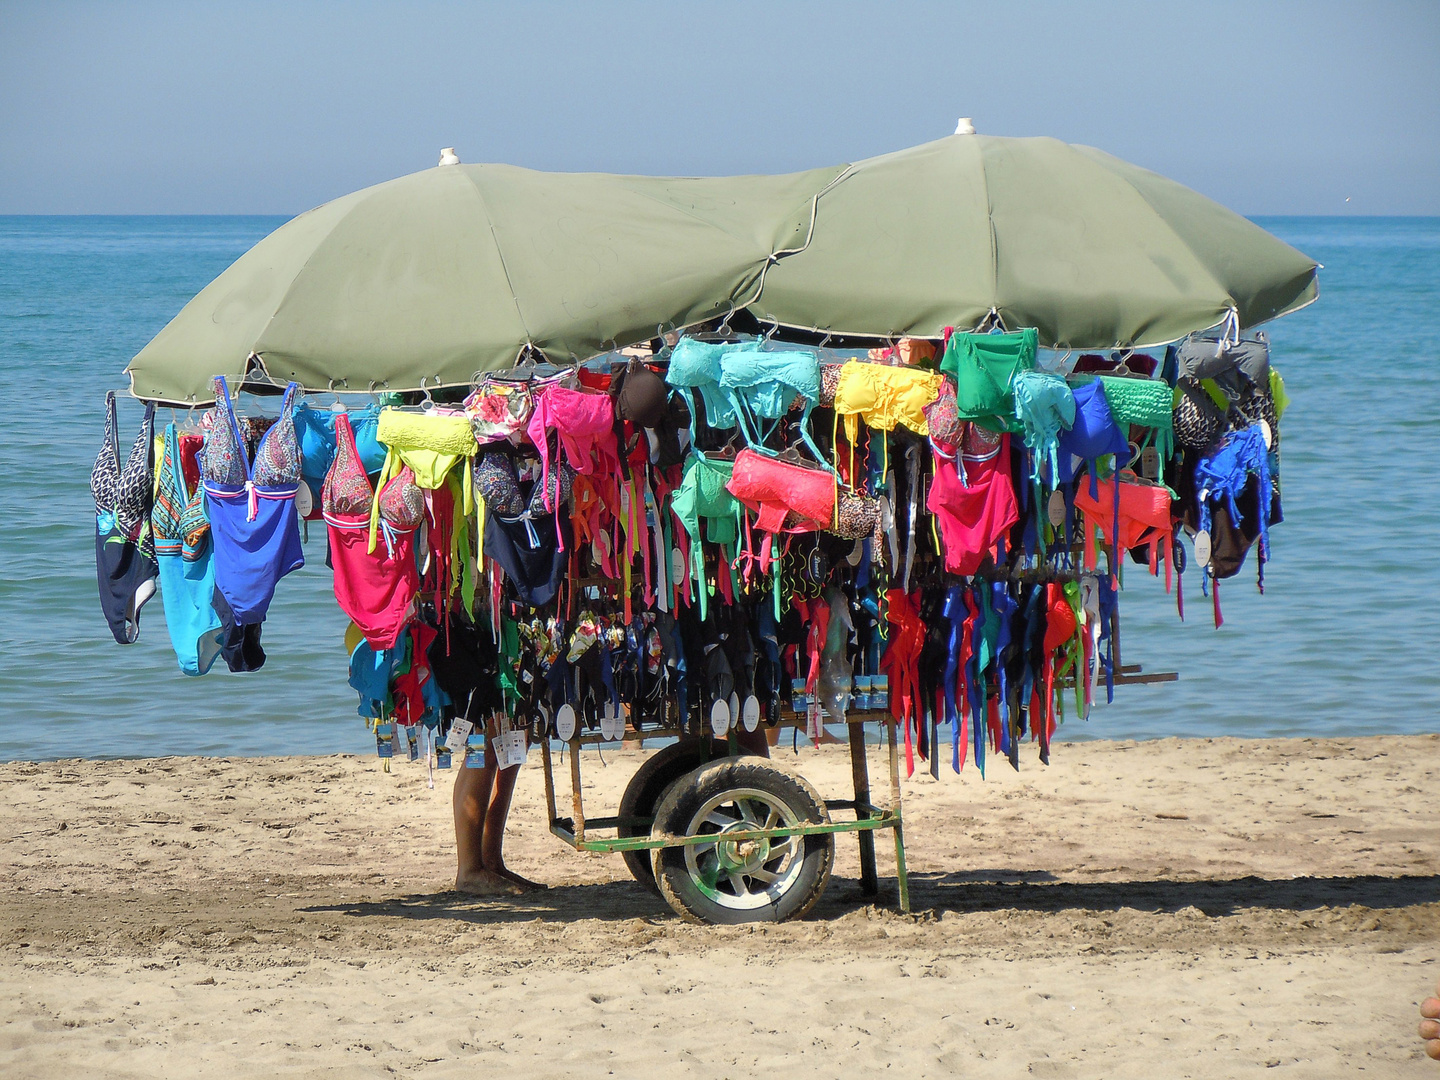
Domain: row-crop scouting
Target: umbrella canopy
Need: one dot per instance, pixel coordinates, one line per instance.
(1092, 251)
(457, 269)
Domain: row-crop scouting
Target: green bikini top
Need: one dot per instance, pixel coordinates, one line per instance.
(984, 367)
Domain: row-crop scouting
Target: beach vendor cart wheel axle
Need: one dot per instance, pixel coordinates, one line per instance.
(648, 786)
(726, 863)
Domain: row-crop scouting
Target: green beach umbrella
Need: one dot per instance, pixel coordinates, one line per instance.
(1092, 251)
(429, 278)
(456, 269)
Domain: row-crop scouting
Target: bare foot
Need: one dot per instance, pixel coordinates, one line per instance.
(486, 883)
(1430, 1026)
(524, 883)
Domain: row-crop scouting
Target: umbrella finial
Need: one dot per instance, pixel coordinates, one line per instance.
(965, 126)
(447, 156)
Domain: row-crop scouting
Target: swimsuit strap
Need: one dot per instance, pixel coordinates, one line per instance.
(229, 409)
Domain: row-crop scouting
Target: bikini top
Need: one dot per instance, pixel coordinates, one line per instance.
(702, 494)
(1225, 471)
(983, 367)
(766, 383)
(498, 409)
(743, 383)
(277, 457)
(640, 395)
(124, 491)
(1045, 407)
(178, 521)
(1146, 403)
(316, 428)
(499, 484)
(1144, 518)
(1230, 363)
(1094, 434)
(429, 444)
(585, 424)
(348, 493)
(696, 365)
(785, 497)
(885, 397)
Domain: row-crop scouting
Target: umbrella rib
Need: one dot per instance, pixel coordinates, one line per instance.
(990, 228)
(290, 287)
(500, 254)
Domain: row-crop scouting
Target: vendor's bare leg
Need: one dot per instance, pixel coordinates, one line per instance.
(472, 800)
(492, 847)
(1430, 1026)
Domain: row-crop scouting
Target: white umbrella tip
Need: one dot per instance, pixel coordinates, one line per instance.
(447, 156)
(965, 126)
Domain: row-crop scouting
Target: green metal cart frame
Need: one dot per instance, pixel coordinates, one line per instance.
(578, 830)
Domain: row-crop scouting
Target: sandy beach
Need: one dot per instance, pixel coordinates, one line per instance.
(1206, 908)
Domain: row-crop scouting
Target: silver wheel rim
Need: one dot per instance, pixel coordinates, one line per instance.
(743, 875)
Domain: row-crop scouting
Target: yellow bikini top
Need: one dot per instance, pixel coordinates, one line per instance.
(885, 396)
(431, 443)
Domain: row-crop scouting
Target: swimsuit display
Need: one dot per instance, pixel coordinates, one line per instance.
(936, 532)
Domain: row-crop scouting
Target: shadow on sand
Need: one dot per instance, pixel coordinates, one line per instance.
(967, 891)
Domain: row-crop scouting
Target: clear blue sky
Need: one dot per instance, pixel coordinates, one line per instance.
(1269, 107)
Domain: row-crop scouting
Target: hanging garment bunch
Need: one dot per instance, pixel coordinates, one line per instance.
(729, 532)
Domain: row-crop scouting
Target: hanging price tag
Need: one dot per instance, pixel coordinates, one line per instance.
(750, 713)
(511, 751)
(459, 732)
(565, 723)
(720, 719)
(612, 726)
(1055, 509)
(1202, 547)
(475, 752)
(856, 553)
(305, 499)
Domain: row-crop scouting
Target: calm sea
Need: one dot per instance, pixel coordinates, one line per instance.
(1343, 642)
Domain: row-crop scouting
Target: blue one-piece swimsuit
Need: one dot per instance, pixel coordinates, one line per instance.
(255, 528)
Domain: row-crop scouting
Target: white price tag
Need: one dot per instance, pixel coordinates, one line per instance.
(459, 732)
(1055, 509)
(612, 725)
(750, 714)
(814, 729)
(565, 722)
(1202, 547)
(720, 719)
(511, 751)
(305, 499)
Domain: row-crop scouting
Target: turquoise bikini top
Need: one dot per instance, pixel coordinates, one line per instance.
(743, 383)
(1045, 407)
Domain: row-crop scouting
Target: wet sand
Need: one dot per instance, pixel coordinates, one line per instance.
(1206, 908)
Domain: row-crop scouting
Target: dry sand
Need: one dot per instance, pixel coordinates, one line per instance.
(1208, 908)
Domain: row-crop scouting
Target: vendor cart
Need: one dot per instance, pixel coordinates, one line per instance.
(727, 837)
(732, 838)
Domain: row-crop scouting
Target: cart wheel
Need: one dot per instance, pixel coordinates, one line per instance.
(731, 881)
(647, 788)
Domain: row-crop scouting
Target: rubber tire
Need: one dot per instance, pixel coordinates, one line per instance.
(685, 798)
(648, 786)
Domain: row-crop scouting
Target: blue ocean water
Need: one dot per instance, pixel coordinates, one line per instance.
(1341, 643)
